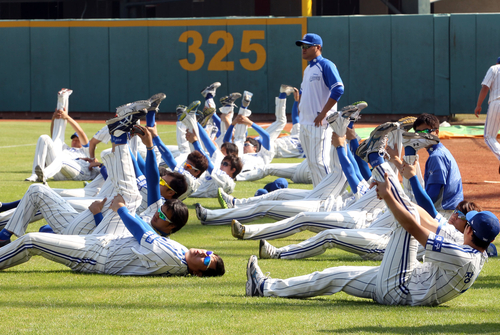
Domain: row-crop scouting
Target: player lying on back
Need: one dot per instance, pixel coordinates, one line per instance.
(448, 271)
(143, 253)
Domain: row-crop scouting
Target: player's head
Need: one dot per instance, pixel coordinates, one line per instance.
(498, 60)
(481, 229)
(311, 45)
(196, 163)
(204, 263)
(172, 184)
(427, 123)
(458, 219)
(231, 165)
(75, 141)
(229, 148)
(170, 217)
(251, 146)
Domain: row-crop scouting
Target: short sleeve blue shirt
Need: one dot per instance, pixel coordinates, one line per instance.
(441, 168)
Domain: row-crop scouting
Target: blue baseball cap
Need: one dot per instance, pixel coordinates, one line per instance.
(498, 60)
(277, 184)
(492, 250)
(74, 135)
(484, 224)
(260, 191)
(310, 39)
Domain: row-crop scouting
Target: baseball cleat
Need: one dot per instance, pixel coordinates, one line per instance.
(193, 107)
(267, 251)
(32, 178)
(332, 118)
(229, 100)
(254, 278)
(419, 140)
(40, 175)
(407, 122)
(247, 97)
(123, 124)
(204, 116)
(225, 200)
(180, 111)
(237, 229)
(201, 212)
(155, 101)
(377, 141)
(65, 91)
(286, 89)
(132, 107)
(210, 89)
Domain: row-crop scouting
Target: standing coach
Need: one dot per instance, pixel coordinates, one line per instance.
(320, 90)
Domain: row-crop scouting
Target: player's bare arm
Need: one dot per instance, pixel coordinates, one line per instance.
(480, 99)
(401, 214)
(318, 121)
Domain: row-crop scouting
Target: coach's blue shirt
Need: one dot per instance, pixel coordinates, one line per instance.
(441, 168)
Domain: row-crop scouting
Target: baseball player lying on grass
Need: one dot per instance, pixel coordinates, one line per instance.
(53, 158)
(339, 122)
(363, 213)
(63, 219)
(140, 252)
(448, 271)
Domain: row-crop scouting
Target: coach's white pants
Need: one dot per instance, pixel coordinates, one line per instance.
(316, 142)
(492, 126)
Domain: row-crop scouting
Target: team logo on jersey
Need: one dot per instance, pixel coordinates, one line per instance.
(150, 237)
(438, 243)
(315, 77)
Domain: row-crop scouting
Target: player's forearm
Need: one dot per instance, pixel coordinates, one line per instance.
(406, 220)
(81, 134)
(328, 106)
(92, 145)
(482, 95)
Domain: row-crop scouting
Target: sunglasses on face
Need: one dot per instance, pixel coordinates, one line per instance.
(427, 131)
(189, 166)
(460, 214)
(207, 260)
(164, 183)
(306, 46)
(249, 145)
(224, 164)
(163, 216)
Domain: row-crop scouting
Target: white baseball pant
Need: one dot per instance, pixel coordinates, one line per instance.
(492, 126)
(316, 142)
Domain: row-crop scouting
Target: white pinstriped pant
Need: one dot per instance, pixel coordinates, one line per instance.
(316, 142)
(277, 209)
(492, 126)
(64, 219)
(385, 284)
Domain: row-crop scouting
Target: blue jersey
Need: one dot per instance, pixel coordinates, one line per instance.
(442, 169)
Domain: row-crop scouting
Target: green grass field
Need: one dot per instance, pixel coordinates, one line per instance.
(42, 297)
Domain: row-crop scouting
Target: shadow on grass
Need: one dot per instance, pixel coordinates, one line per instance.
(461, 328)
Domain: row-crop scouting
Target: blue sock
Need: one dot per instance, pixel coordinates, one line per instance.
(5, 235)
(209, 96)
(122, 139)
(410, 151)
(150, 118)
(46, 229)
(375, 159)
(261, 287)
(351, 124)
(282, 95)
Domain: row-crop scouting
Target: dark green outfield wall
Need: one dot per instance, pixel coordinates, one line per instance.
(399, 64)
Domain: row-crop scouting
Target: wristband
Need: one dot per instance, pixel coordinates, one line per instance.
(150, 148)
